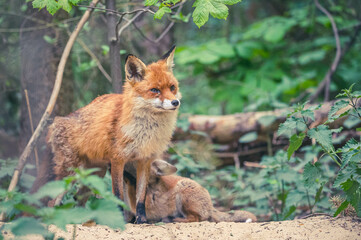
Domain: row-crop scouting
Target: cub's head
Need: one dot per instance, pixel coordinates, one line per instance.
(162, 168)
(153, 86)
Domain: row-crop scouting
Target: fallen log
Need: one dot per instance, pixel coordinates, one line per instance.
(227, 130)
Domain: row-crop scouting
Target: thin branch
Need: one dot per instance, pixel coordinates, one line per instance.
(45, 26)
(325, 84)
(120, 31)
(161, 36)
(166, 30)
(119, 13)
(94, 57)
(43, 122)
(32, 128)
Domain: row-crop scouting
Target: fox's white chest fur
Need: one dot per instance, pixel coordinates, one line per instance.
(150, 134)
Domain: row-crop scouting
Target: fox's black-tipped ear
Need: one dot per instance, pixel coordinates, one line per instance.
(134, 69)
(168, 57)
(162, 168)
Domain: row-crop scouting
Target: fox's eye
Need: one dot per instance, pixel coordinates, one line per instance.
(172, 88)
(155, 90)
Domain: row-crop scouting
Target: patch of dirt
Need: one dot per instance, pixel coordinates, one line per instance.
(320, 227)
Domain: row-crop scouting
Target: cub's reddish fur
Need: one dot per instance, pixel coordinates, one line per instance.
(174, 198)
(119, 128)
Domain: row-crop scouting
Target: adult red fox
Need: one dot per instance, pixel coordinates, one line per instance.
(119, 128)
(172, 198)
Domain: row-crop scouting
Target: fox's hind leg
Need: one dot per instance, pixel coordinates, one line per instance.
(64, 156)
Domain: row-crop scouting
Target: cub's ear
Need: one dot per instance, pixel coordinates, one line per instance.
(162, 168)
(168, 57)
(134, 69)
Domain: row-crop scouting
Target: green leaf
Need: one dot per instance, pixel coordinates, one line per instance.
(51, 189)
(248, 137)
(230, 2)
(345, 174)
(351, 122)
(291, 210)
(275, 33)
(201, 13)
(350, 187)
(295, 143)
(203, 8)
(49, 39)
(290, 126)
(323, 136)
(181, 17)
(26, 225)
(318, 194)
(25, 208)
(150, 2)
(308, 114)
(98, 185)
(342, 207)
(311, 174)
(332, 116)
(52, 6)
(107, 213)
(312, 56)
(351, 152)
(65, 4)
(267, 120)
(221, 48)
(161, 11)
(39, 3)
(61, 217)
(248, 49)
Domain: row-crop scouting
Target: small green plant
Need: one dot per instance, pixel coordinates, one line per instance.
(103, 209)
(347, 158)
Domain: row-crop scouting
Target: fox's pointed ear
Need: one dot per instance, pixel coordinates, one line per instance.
(168, 57)
(134, 69)
(162, 168)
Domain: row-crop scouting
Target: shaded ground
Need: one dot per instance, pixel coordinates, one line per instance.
(321, 227)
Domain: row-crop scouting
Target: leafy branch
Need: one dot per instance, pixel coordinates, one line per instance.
(202, 8)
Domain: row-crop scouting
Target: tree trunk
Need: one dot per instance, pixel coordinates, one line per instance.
(39, 60)
(37, 73)
(114, 48)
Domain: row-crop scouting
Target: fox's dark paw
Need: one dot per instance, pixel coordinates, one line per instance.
(140, 220)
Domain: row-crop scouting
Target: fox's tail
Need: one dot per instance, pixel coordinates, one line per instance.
(232, 216)
(45, 171)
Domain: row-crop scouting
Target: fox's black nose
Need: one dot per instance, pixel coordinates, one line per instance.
(175, 103)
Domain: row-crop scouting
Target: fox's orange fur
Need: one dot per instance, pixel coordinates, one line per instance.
(118, 128)
(174, 198)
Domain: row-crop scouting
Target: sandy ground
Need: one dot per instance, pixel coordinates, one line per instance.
(320, 227)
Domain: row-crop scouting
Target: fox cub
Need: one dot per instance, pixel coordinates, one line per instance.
(172, 198)
(119, 128)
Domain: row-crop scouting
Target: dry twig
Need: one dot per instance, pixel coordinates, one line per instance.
(325, 84)
(32, 127)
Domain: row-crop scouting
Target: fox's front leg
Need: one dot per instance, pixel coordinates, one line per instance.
(143, 170)
(117, 169)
